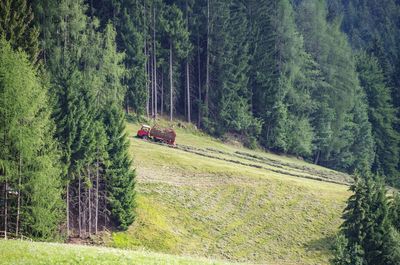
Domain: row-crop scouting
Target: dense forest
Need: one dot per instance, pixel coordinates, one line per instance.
(315, 79)
(312, 78)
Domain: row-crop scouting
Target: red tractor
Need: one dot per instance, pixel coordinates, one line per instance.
(158, 134)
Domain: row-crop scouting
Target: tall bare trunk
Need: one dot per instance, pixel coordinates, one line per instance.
(19, 195)
(162, 91)
(155, 61)
(199, 81)
(96, 217)
(188, 90)
(208, 56)
(5, 173)
(68, 229)
(171, 81)
(127, 100)
(90, 204)
(146, 66)
(187, 69)
(146, 62)
(316, 160)
(151, 71)
(5, 207)
(79, 207)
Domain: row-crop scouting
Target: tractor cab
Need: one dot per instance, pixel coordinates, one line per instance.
(144, 131)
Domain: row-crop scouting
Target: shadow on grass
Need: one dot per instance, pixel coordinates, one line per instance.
(322, 245)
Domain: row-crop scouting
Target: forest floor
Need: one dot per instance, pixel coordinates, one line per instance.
(222, 201)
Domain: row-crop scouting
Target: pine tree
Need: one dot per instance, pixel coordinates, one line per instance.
(120, 177)
(381, 113)
(280, 91)
(128, 18)
(230, 93)
(339, 104)
(366, 228)
(16, 26)
(395, 211)
(178, 45)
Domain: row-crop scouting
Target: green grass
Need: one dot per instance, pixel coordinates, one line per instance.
(190, 204)
(14, 252)
(214, 200)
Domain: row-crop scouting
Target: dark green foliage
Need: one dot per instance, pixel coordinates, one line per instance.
(340, 119)
(370, 22)
(16, 26)
(270, 83)
(128, 18)
(395, 211)
(367, 234)
(230, 93)
(86, 75)
(120, 176)
(382, 117)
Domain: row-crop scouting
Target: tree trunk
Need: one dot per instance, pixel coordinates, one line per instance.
(5, 207)
(79, 206)
(5, 172)
(151, 71)
(146, 66)
(208, 56)
(68, 232)
(127, 102)
(187, 69)
(19, 195)
(171, 81)
(96, 221)
(199, 81)
(146, 62)
(317, 157)
(162, 91)
(155, 61)
(188, 90)
(90, 205)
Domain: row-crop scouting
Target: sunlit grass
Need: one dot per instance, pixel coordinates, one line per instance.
(195, 205)
(14, 252)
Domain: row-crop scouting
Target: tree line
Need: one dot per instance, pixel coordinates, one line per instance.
(315, 79)
(64, 163)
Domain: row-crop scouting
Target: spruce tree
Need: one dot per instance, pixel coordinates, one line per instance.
(16, 26)
(280, 91)
(339, 106)
(395, 211)
(381, 114)
(128, 19)
(230, 93)
(367, 230)
(120, 176)
(178, 45)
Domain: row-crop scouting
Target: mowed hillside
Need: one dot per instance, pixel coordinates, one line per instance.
(14, 252)
(215, 200)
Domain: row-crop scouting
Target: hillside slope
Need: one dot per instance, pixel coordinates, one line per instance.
(207, 198)
(33, 253)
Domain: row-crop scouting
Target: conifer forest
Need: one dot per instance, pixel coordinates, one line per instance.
(318, 80)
